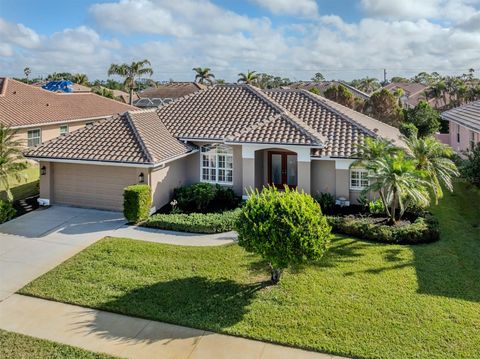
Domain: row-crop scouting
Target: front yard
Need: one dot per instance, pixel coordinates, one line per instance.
(363, 299)
(14, 346)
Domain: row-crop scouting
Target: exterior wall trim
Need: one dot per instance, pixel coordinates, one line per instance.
(303, 152)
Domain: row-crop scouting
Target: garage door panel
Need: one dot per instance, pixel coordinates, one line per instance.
(91, 185)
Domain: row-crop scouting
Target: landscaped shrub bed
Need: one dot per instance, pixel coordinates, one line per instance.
(7, 211)
(421, 230)
(195, 222)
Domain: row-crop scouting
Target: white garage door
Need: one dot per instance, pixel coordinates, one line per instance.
(91, 185)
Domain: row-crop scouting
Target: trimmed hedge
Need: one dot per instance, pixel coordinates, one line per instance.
(205, 198)
(195, 222)
(137, 200)
(423, 230)
(7, 212)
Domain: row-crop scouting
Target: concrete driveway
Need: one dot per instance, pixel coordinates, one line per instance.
(33, 244)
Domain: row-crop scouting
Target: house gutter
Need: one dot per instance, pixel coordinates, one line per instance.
(93, 162)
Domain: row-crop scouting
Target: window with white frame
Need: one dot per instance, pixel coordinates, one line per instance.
(358, 179)
(63, 130)
(34, 137)
(216, 164)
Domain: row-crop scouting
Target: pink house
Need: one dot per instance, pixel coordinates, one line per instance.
(464, 124)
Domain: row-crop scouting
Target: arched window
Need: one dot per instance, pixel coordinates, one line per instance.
(216, 164)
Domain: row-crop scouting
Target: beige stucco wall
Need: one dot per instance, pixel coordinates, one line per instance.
(49, 132)
(304, 176)
(342, 185)
(94, 186)
(323, 177)
(465, 136)
(248, 174)
(164, 180)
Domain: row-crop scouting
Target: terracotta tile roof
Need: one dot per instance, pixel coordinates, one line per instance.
(467, 115)
(172, 90)
(128, 138)
(215, 112)
(28, 105)
(343, 128)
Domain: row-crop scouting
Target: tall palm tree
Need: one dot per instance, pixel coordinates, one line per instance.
(130, 73)
(203, 75)
(10, 158)
(399, 183)
(27, 72)
(80, 79)
(372, 149)
(433, 158)
(369, 84)
(249, 78)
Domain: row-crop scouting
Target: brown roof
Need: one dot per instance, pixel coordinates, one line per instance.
(136, 137)
(467, 115)
(172, 90)
(25, 105)
(234, 114)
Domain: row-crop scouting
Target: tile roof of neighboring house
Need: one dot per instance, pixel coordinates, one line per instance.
(136, 137)
(324, 85)
(467, 115)
(80, 88)
(172, 90)
(416, 92)
(23, 105)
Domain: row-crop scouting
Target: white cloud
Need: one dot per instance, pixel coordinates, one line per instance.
(307, 8)
(201, 33)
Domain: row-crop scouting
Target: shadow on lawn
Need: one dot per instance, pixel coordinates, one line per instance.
(193, 302)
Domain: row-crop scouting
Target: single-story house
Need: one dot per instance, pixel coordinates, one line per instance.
(464, 126)
(39, 115)
(233, 135)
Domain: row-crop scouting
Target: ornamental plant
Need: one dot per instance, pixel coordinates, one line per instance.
(137, 200)
(284, 227)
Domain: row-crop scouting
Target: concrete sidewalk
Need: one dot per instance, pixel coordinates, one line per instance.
(130, 337)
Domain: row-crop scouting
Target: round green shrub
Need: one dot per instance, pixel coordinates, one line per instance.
(285, 228)
(7, 211)
(137, 200)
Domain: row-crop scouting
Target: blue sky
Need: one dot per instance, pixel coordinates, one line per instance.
(295, 38)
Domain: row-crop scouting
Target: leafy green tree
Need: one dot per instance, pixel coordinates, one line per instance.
(103, 91)
(383, 106)
(315, 91)
(267, 81)
(399, 183)
(249, 78)
(401, 79)
(285, 228)
(425, 118)
(57, 76)
(408, 129)
(366, 84)
(27, 72)
(11, 158)
(434, 159)
(203, 75)
(341, 95)
(470, 167)
(318, 77)
(131, 73)
(80, 79)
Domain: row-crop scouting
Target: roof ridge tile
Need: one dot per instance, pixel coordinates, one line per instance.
(139, 138)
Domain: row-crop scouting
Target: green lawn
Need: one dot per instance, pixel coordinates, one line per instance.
(364, 299)
(15, 346)
(26, 187)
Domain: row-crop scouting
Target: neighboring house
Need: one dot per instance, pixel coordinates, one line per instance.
(166, 93)
(414, 93)
(39, 115)
(324, 85)
(233, 135)
(464, 126)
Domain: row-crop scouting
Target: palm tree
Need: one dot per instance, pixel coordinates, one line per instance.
(399, 184)
(433, 158)
(130, 73)
(80, 79)
(10, 158)
(372, 149)
(369, 85)
(203, 75)
(27, 72)
(249, 78)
